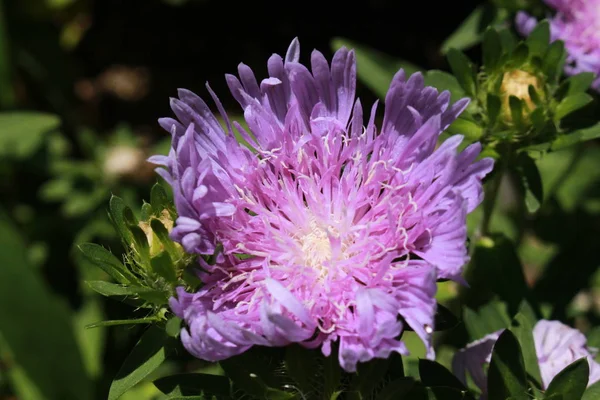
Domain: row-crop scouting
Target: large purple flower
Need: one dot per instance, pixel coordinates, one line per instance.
(577, 24)
(333, 230)
(556, 345)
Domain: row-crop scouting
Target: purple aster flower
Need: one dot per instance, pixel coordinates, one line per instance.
(577, 24)
(334, 230)
(556, 345)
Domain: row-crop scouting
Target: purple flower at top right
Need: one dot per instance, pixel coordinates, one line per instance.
(577, 24)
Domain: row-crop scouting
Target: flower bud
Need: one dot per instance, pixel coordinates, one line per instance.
(516, 83)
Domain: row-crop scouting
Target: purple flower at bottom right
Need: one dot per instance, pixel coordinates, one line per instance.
(557, 345)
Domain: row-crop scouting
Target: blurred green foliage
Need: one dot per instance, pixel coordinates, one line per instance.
(81, 321)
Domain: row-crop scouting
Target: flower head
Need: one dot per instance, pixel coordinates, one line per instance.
(556, 345)
(334, 229)
(577, 24)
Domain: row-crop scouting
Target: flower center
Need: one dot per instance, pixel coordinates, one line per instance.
(315, 247)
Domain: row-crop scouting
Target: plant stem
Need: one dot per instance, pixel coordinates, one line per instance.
(489, 200)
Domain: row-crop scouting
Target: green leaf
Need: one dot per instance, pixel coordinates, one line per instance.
(105, 260)
(506, 375)
(571, 381)
(163, 235)
(137, 292)
(117, 322)
(376, 69)
(580, 135)
(159, 199)
(444, 318)
(147, 355)
(522, 327)
(301, 365)
(146, 211)
(492, 49)
(494, 105)
(435, 374)
(173, 327)
(463, 70)
(572, 103)
(539, 39)
(580, 82)
(531, 182)
(163, 267)
(142, 246)
(468, 34)
(592, 393)
(23, 132)
(519, 55)
(396, 389)
(36, 326)
(554, 60)
(444, 81)
(195, 384)
(470, 129)
(488, 319)
(117, 210)
(516, 110)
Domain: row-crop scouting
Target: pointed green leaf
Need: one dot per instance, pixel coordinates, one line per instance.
(147, 355)
(580, 135)
(579, 83)
(463, 70)
(163, 267)
(592, 393)
(154, 296)
(493, 105)
(539, 39)
(516, 110)
(488, 319)
(159, 199)
(469, 32)
(163, 235)
(142, 246)
(506, 374)
(522, 327)
(146, 211)
(492, 49)
(117, 322)
(105, 260)
(531, 182)
(444, 81)
(36, 326)
(470, 129)
(117, 208)
(519, 55)
(572, 381)
(572, 103)
(554, 60)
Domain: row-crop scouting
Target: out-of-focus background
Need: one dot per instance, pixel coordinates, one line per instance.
(82, 83)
